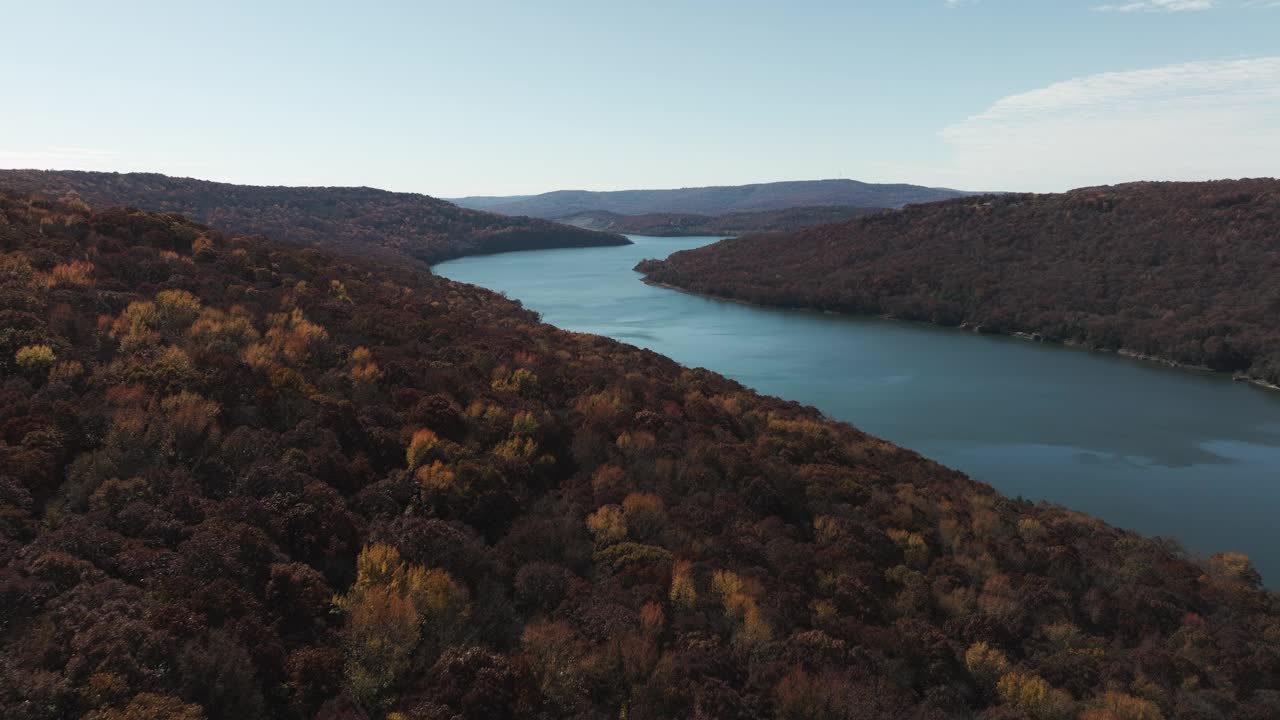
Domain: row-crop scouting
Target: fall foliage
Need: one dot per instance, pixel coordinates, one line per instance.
(356, 221)
(1183, 272)
(734, 223)
(233, 489)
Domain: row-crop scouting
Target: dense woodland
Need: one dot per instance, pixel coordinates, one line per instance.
(715, 200)
(352, 220)
(244, 480)
(1185, 272)
(739, 223)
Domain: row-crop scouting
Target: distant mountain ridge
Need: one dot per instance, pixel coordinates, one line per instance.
(715, 200)
(739, 223)
(355, 220)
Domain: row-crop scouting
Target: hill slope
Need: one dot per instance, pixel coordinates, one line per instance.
(242, 480)
(738, 223)
(1186, 272)
(359, 220)
(712, 200)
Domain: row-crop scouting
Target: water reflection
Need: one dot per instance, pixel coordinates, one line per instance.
(1163, 451)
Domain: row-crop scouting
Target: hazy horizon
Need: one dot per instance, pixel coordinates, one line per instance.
(609, 189)
(500, 98)
(481, 195)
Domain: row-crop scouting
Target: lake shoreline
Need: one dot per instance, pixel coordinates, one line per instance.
(1029, 337)
(1129, 442)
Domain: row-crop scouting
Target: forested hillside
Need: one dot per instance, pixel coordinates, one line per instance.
(244, 480)
(677, 224)
(357, 221)
(716, 200)
(1185, 272)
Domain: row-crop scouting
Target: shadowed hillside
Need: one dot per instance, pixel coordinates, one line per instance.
(1185, 272)
(244, 480)
(354, 220)
(712, 200)
(677, 225)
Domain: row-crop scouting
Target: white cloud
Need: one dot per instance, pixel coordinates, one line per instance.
(59, 157)
(1190, 121)
(1159, 5)
(1180, 5)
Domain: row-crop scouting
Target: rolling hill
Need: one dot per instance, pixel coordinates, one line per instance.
(713, 200)
(737, 223)
(1183, 272)
(354, 220)
(241, 480)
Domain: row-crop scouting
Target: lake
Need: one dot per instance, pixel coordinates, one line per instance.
(1168, 452)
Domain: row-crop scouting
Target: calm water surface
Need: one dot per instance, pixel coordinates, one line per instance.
(1165, 452)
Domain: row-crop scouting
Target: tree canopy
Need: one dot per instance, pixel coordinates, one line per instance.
(1182, 272)
(242, 479)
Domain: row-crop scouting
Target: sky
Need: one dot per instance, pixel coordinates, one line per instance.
(481, 97)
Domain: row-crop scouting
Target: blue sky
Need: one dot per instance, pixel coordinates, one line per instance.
(482, 97)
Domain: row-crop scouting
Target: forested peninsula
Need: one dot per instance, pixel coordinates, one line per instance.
(1186, 273)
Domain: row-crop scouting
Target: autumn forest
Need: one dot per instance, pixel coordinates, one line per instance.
(243, 478)
(1187, 273)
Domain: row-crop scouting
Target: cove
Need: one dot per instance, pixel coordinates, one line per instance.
(1174, 453)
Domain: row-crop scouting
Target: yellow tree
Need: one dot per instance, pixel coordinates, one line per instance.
(381, 634)
(34, 360)
(421, 448)
(683, 593)
(608, 524)
(389, 607)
